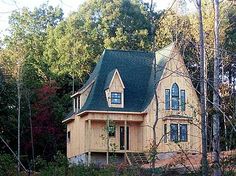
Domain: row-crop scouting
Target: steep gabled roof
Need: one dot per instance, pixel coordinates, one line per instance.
(137, 73)
(110, 78)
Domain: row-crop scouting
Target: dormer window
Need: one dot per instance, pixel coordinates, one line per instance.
(114, 90)
(115, 98)
(76, 104)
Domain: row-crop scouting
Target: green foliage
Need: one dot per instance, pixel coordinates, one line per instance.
(7, 164)
(59, 165)
(50, 50)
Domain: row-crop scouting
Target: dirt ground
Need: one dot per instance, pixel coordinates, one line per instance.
(192, 161)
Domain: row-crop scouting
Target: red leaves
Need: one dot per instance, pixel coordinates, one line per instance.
(47, 129)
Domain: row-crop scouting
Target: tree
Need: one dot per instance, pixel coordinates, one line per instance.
(216, 97)
(203, 91)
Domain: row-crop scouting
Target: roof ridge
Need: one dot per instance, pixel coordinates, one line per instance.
(122, 50)
(167, 46)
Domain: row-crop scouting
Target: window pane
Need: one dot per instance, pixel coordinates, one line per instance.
(174, 132)
(183, 100)
(112, 130)
(167, 99)
(175, 90)
(68, 136)
(116, 98)
(165, 133)
(175, 97)
(175, 103)
(183, 132)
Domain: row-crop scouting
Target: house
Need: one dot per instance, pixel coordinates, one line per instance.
(116, 107)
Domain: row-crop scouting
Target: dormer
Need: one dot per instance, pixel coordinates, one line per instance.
(114, 90)
(76, 103)
(80, 97)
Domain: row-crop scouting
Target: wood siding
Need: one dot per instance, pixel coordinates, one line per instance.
(175, 72)
(116, 86)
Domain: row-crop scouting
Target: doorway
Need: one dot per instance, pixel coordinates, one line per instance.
(122, 138)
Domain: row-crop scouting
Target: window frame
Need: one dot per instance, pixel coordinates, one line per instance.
(113, 132)
(167, 99)
(175, 98)
(116, 98)
(183, 99)
(185, 139)
(165, 133)
(68, 136)
(171, 132)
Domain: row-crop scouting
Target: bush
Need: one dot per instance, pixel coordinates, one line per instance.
(7, 165)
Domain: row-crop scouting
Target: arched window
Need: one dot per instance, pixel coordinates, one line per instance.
(175, 97)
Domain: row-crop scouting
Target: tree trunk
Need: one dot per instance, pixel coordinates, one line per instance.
(18, 120)
(31, 127)
(154, 127)
(203, 91)
(216, 98)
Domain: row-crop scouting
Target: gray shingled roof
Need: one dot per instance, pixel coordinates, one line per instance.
(136, 71)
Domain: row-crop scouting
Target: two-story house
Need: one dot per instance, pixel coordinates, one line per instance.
(116, 107)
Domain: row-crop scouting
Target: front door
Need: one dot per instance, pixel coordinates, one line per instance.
(122, 138)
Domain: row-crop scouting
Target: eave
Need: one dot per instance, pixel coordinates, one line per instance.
(111, 112)
(82, 90)
(72, 118)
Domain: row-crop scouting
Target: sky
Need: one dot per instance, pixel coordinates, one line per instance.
(7, 6)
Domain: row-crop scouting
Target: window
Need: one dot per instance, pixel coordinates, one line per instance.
(174, 132)
(111, 130)
(180, 135)
(167, 99)
(76, 104)
(165, 134)
(175, 97)
(183, 132)
(182, 100)
(68, 136)
(115, 98)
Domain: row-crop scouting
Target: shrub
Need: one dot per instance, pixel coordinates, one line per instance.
(7, 165)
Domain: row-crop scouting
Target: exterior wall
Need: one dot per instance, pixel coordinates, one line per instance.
(84, 95)
(175, 72)
(76, 145)
(116, 86)
(99, 134)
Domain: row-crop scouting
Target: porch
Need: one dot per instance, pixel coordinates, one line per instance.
(113, 134)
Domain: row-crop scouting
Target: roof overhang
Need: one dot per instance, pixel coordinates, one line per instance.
(111, 112)
(72, 118)
(82, 90)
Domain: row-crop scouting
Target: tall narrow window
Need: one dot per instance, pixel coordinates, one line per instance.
(167, 99)
(115, 98)
(183, 130)
(76, 104)
(175, 97)
(183, 101)
(165, 134)
(68, 136)
(174, 132)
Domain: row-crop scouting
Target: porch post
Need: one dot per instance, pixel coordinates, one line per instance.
(108, 123)
(125, 142)
(89, 142)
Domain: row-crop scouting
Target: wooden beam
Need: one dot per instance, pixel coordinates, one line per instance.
(89, 142)
(107, 140)
(125, 142)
